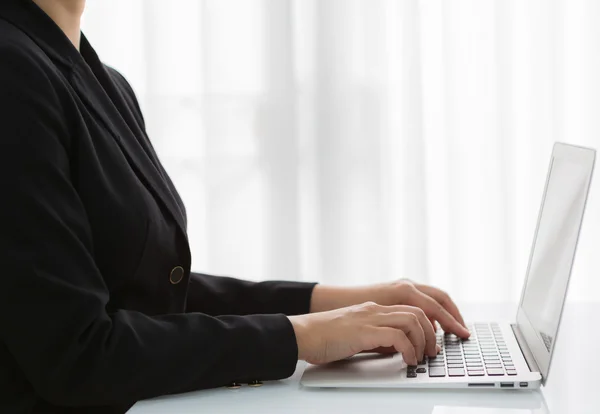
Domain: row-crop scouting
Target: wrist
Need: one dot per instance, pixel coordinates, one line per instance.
(325, 298)
(300, 326)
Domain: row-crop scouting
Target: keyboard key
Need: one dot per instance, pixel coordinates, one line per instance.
(411, 374)
(454, 357)
(421, 370)
(456, 372)
(411, 367)
(495, 371)
(423, 362)
(493, 365)
(437, 372)
(476, 373)
(455, 365)
(454, 353)
(511, 372)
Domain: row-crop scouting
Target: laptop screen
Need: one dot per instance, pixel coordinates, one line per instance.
(554, 247)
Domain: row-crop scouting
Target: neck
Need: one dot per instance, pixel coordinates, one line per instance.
(66, 14)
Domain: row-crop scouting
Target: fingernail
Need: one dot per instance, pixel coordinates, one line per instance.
(438, 349)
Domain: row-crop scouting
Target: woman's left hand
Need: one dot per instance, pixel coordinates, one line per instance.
(437, 304)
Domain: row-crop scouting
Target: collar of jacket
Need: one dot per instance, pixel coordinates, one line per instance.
(28, 17)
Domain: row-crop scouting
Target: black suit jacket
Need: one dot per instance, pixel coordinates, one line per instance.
(98, 307)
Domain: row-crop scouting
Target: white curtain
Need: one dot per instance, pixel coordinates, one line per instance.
(358, 141)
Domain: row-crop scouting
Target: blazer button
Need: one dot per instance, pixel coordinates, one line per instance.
(255, 383)
(176, 275)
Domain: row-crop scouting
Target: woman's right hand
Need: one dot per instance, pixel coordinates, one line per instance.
(330, 336)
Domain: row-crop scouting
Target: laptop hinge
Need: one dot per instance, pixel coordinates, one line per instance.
(533, 367)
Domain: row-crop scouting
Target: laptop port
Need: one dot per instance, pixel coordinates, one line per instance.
(523, 384)
(507, 385)
(481, 384)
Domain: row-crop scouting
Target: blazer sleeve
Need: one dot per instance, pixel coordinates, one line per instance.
(217, 295)
(53, 317)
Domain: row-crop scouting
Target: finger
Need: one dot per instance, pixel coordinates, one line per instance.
(396, 338)
(428, 330)
(409, 323)
(436, 311)
(443, 299)
(434, 324)
(426, 325)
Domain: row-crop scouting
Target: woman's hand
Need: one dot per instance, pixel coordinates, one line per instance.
(437, 304)
(334, 335)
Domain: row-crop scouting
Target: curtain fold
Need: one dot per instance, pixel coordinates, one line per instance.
(359, 141)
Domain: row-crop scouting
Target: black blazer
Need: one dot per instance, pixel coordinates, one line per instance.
(98, 307)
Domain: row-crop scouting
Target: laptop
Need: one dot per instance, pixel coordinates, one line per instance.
(497, 355)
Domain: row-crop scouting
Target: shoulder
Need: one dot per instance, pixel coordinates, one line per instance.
(33, 93)
(16, 47)
(25, 70)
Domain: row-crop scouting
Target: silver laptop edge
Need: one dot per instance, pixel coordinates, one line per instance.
(538, 358)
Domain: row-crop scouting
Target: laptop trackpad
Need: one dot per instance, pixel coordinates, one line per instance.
(368, 366)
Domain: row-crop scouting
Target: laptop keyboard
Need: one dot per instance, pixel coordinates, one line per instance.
(484, 353)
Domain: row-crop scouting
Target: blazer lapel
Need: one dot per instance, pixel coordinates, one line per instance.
(97, 100)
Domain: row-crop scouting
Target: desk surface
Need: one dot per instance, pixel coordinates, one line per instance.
(572, 387)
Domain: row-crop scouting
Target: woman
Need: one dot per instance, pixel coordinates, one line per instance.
(98, 306)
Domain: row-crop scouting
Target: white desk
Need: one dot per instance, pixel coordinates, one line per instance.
(573, 386)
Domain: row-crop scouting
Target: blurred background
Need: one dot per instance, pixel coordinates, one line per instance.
(359, 141)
